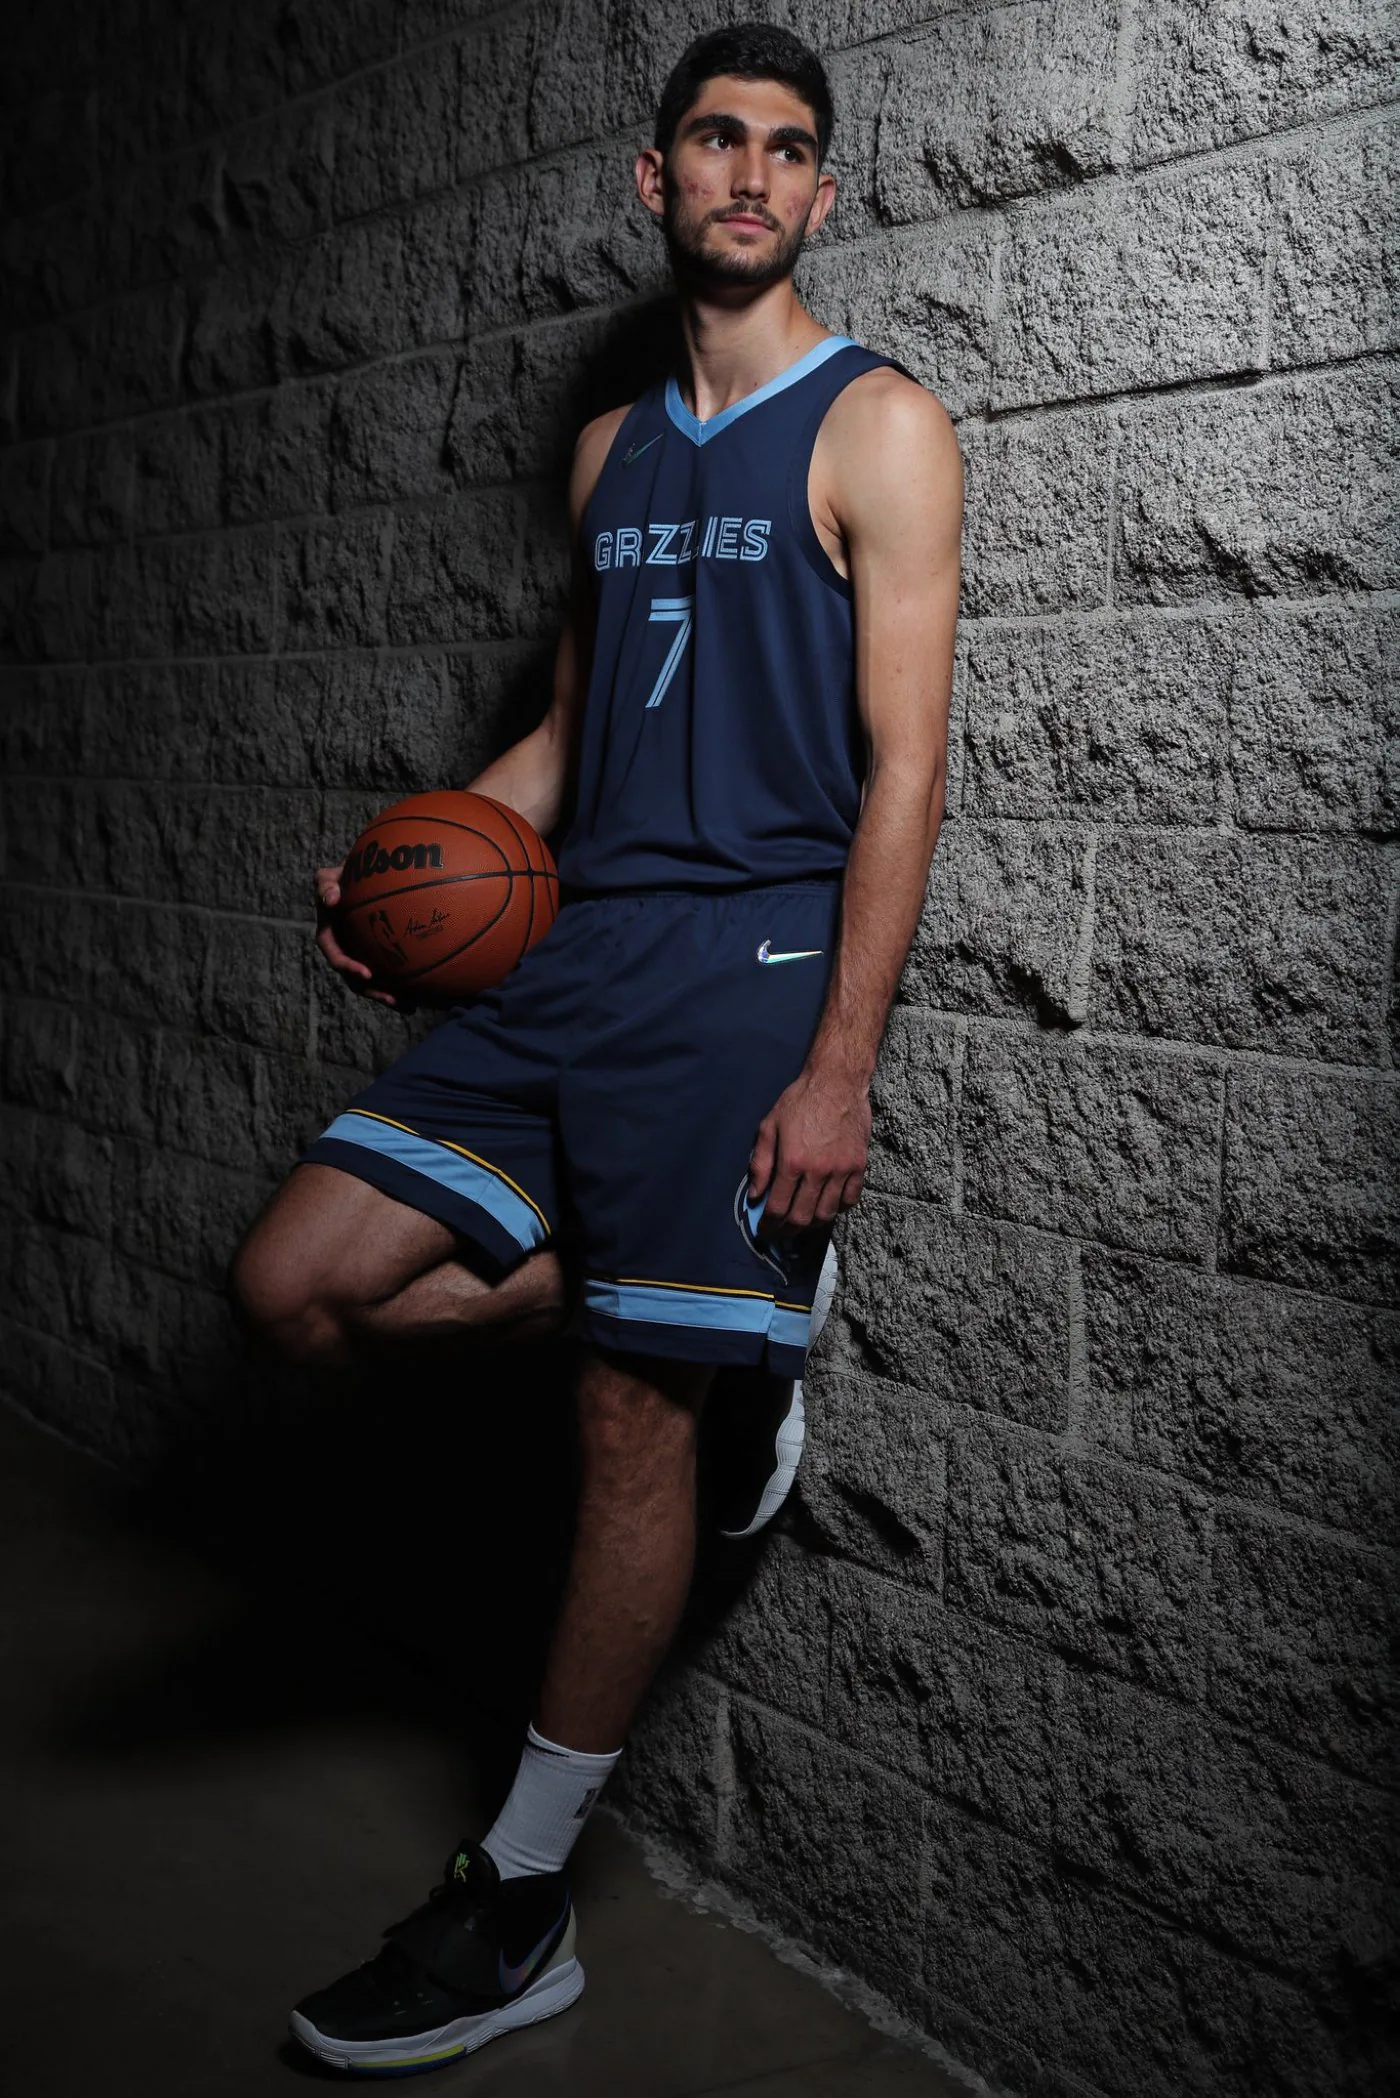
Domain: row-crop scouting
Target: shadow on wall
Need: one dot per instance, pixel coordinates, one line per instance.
(431, 1511)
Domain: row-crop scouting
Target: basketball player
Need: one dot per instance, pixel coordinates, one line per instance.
(747, 736)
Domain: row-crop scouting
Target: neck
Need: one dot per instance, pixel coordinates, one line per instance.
(731, 350)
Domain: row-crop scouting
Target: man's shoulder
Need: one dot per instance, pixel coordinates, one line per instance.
(886, 401)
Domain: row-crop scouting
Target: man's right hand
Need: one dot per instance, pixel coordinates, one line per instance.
(358, 976)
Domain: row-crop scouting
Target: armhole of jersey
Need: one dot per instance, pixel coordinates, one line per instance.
(799, 505)
(611, 455)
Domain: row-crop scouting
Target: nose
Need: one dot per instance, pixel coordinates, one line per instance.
(750, 172)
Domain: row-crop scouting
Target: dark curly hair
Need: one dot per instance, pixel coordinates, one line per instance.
(748, 51)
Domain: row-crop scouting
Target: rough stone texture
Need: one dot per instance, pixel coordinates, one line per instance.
(1189, 941)
(1058, 1709)
(1310, 1195)
(1259, 1394)
(1093, 1140)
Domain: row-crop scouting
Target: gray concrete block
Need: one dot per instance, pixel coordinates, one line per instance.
(1003, 924)
(146, 963)
(1301, 1633)
(1276, 944)
(391, 724)
(57, 1174)
(1339, 248)
(671, 1778)
(266, 717)
(1265, 1395)
(1121, 289)
(276, 176)
(92, 491)
(773, 1641)
(968, 1313)
(930, 303)
(175, 464)
(51, 608)
(833, 1845)
(344, 302)
(871, 1483)
(1087, 715)
(24, 498)
(395, 133)
(1092, 1140)
(277, 453)
(38, 1045)
(1282, 491)
(1309, 1187)
(255, 978)
(455, 573)
(231, 343)
(566, 234)
(998, 103)
(43, 720)
(1036, 520)
(1314, 715)
(387, 435)
(1206, 75)
(494, 84)
(1102, 1563)
(1285, 1859)
(911, 1103)
(960, 1709)
(1017, 1942)
(182, 1216)
(333, 582)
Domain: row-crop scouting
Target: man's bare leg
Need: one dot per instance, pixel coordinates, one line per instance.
(633, 1554)
(333, 1268)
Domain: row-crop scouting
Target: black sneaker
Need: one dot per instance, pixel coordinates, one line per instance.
(482, 1956)
(758, 1425)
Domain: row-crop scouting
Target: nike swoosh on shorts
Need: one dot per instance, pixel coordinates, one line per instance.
(798, 954)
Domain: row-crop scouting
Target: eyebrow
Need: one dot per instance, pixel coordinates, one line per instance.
(780, 135)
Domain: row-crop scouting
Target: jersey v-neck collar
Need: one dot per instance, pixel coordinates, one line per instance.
(701, 432)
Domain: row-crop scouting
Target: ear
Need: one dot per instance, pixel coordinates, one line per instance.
(822, 203)
(651, 180)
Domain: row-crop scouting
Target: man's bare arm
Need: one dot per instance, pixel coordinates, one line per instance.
(900, 475)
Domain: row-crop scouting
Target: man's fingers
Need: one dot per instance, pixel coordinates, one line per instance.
(761, 1161)
(780, 1197)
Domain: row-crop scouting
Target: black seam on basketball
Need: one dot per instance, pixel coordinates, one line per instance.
(422, 823)
(443, 881)
(523, 842)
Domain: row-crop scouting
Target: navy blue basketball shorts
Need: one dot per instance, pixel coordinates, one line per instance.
(604, 1101)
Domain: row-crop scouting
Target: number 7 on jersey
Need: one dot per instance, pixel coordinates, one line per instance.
(680, 612)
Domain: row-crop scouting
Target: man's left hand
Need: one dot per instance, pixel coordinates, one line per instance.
(810, 1152)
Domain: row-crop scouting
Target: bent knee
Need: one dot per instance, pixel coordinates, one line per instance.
(281, 1304)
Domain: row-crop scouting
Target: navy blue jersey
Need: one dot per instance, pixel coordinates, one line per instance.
(721, 744)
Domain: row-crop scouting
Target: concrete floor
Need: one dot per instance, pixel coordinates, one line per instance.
(204, 1824)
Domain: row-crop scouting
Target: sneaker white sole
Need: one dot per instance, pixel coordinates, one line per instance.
(792, 1432)
(560, 1984)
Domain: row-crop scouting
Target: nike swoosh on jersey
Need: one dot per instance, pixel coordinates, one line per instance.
(638, 449)
(798, 954)
(511, 1978)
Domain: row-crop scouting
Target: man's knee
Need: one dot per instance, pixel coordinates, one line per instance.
(278, 1302)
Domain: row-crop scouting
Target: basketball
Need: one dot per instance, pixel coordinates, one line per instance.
(443, 893)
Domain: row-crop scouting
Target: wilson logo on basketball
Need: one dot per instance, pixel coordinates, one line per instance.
(373, 859)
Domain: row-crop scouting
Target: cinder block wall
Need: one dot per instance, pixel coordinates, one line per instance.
(1058, 1715)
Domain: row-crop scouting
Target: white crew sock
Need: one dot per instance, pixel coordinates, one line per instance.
(549, 1802)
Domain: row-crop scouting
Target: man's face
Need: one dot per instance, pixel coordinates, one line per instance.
(740, 190)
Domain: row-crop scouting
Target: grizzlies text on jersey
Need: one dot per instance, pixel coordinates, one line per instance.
(721, 745)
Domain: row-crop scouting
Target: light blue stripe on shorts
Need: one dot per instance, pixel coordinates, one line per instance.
(466, 1176)
(729, 1312)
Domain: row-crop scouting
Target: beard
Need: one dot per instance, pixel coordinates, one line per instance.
(694, 263)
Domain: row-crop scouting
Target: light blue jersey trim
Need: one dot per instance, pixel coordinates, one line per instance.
(725, 1312)
(700, 432)
(448, 1168)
